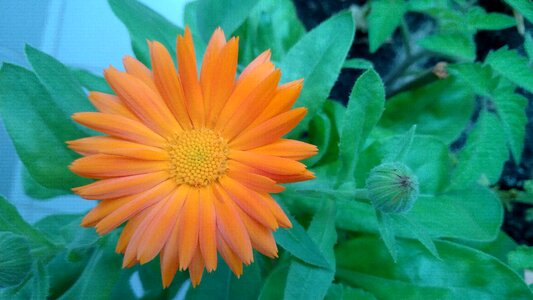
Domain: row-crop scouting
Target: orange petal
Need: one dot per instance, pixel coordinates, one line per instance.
(261, 236)
(188, 229)
(189, 78)
(169, 266)
(133, 207)
(120, 127)
(224, 84)
(209, 62)
(218, 73)
(291, 149)
(259, 60)
(252, 105)
(107, 166)
(139, 70)
(196, 268)
(249, 201)
(231, 259)
(104, 208)
(268, 163)
(306, 175)
(158, 231)
(131, 227)
(253, 181)
(276, 210)
(136, 240)
(170, 252)
(121, 186)
(245, 87)
(110, 104)
(143, 101)
(269, 131)
(230, 226)
(282, 101)
(206, 237)
(114, 146)
(169, 84)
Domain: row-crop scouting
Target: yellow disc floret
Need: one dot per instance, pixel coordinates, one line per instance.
(197, 157)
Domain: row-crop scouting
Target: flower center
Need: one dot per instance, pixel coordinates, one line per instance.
(197, 157)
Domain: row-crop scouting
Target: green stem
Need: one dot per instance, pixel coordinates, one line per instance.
(403, 67)
(406, 37)
(423, 79)
(356, 194)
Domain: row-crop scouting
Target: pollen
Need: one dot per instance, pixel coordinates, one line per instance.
(197, 157)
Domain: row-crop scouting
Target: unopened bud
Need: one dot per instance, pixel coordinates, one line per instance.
(392, 187)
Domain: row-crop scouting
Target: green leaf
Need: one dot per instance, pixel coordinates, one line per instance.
(150, 276)
(427, 5)
(35, 190)
(60, 282)
(457, 45)
(91, 81)
(190, 18)
(512, 66)
(10, 220)
(100, 274)
(298, 243)
(528, 46)
(458, 214)
(499, 248)
(365, 107)
(402, 147)
(525, 7)
(123, 287)
(357, 63)
(272, 24)
(462, 273)
(224, 285)
(428, 157)
(65, 230)
(38, 128)
(35, 287)
(228, 14)
(40, 282)
(509, 106)
(309, 282)
(384, 17)
(418, 231)
(453, 214)
(65, 90)
(511, 110)
(320, 134)
(442, 109)
(275, 283)
(483, 156)
(479, 78)
(333, 114)
(479, 19)
(15, 261)
(521, 258)
(386, 231)
(318, 58)
(143, 23)
(340, 291)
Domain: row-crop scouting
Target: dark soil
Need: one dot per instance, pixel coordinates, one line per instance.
(390, 55)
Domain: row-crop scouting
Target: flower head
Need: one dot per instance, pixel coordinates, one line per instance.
(188, 161)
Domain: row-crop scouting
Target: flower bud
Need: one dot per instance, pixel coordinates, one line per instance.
(392, 187)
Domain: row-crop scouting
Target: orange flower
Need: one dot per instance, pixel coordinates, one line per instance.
(189, 161)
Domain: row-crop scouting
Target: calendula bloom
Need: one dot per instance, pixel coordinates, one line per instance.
(189, 160)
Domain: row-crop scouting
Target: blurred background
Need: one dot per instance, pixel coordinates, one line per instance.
(67, 30)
